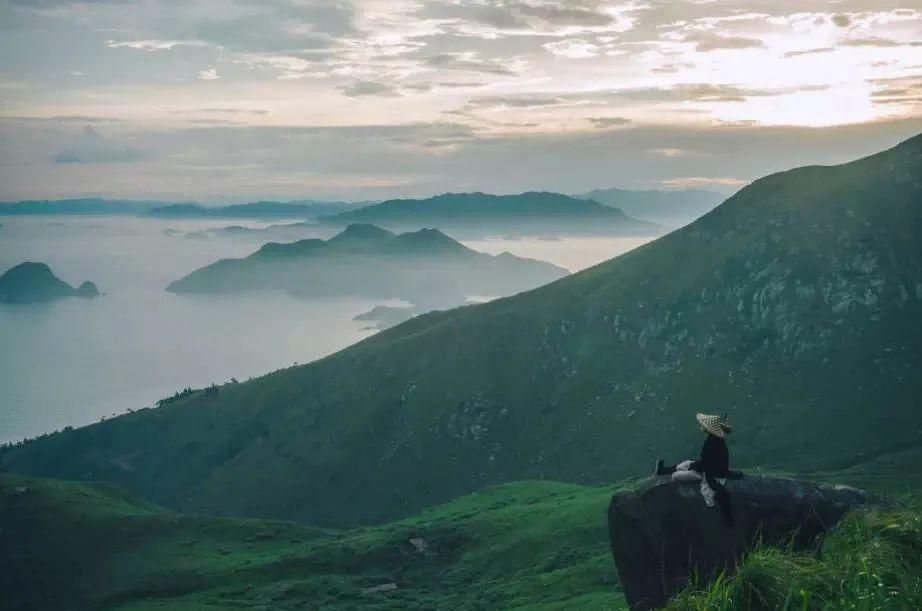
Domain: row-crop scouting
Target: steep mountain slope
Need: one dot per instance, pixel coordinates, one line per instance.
(794, 306)
(423, 267)
(471, 214)
(669, 208)
(31, 282)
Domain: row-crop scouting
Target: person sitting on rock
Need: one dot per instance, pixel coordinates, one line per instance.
(712, 468)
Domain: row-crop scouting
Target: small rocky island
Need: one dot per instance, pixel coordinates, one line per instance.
(35, 282)
(425, 268)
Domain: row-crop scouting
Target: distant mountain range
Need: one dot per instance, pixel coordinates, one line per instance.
(466, 214)
(76, 207)
(669, 208)
(100, 206)
(794, 307)
(477, 214)
(35, 282)
(424, 267)
(262, 209)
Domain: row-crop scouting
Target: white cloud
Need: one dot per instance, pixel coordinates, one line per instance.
(573, 48)
(702, 181)
(153, 45)
(534, 68)
(668, 152)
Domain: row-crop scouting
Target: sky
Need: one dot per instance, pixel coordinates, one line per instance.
(229, 100)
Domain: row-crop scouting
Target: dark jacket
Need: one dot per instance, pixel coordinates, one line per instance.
(715, 458)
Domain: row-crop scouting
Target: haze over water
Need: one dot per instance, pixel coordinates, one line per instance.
(74, 361)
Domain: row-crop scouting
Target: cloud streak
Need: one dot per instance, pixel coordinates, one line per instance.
(153, 77)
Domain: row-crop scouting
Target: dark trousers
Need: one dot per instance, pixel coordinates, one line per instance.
(721, 495)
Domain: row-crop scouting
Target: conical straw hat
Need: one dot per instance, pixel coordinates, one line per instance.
(714, 425)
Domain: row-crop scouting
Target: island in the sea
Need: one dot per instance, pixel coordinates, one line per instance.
(426, 268)
(32, 282)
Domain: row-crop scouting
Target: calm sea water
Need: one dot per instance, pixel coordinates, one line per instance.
(74, 361)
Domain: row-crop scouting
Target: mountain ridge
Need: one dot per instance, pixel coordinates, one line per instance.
(258, 209)
(792, 307)
(424, 267)
(533, 212)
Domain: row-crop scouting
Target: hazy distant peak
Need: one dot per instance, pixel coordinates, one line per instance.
(292, 249)
(429, 240)
(362, 232)
(669, 207)
(532, 212)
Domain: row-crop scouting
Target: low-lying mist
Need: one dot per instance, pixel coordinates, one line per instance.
(72, 362)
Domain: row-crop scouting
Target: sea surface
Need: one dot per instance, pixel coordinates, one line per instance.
(75, 361)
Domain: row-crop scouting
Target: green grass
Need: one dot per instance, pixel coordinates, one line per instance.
(526, 545)
(872, 561)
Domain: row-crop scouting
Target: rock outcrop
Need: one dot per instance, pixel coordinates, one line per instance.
(663, 535)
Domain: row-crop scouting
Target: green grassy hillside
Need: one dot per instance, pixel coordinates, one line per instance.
(794, 306)
(534, 545)
(523, 545)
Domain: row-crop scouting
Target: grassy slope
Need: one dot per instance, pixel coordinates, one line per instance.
(523, 545)
(534, 545)
(794, 306)
(871, 562)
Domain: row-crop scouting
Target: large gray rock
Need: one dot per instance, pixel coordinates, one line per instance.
(662, 533)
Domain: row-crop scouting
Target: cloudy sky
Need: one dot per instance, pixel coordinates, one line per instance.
(238, 99)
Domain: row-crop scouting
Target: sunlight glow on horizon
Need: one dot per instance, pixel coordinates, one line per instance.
(452, 75)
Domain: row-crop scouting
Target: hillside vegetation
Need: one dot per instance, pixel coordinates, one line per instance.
(794, 307)
(871, 562)
(527, 545)
(523, 545)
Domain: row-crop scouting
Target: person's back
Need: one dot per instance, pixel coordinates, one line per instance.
(715, 457)
(713, 465)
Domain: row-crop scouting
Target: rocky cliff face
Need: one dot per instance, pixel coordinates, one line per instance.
(663, 535)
